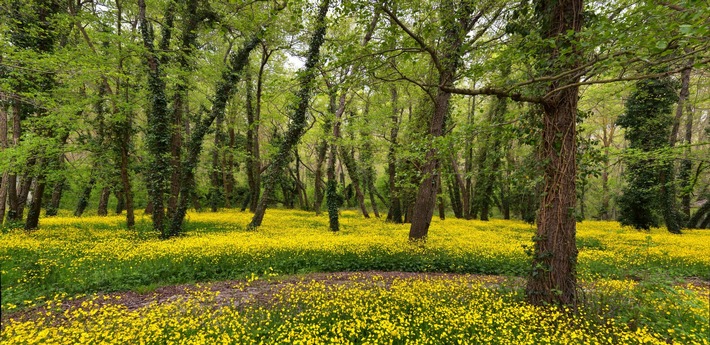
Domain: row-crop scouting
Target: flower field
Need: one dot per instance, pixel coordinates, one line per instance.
(632, 282)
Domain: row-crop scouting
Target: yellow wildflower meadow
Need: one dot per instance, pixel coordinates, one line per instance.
(73, 256)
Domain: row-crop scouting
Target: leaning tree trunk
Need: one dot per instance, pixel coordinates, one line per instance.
(36, 204)
(226, 88)
(454, 33)
(298, 119)
(553, 276)
(84, 198)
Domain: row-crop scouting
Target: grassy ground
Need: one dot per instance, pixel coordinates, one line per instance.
(632, 278)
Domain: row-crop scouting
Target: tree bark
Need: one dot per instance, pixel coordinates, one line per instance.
(553, 276)
(454, 34)
(35, 208)
(103, 202)
(12, 193)
(159, 120)
(253, 162)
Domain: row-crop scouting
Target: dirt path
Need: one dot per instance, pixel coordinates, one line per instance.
(261, 291)
(243, 292)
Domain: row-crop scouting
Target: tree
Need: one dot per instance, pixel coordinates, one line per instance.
(648, 123)
(298, 119)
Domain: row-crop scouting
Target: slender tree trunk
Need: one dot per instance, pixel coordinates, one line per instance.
(298, 119)
(124, 134)
(352, 168)
(57, 192)
(685, 165)
(226, 88)
(216, 191)
(468, 165)
(394, 214)
(553, 277)
(12, 192)
(330, 190)
(3, 145)
(252, 146)
(319, 183)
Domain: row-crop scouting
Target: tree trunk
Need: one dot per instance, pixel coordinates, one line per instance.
(394, 214)
(57, 192)
(124, 135)
(5, 175)
(331, 196)
(252, 146)
(553, 276)
(120, 203)
(159, 131)
(215, 180)
(454, 35)
(426, 195)
(352, 168)
(686, 165)
(84, 198)
(36, 204)
(322, 153)
(468, 165)
(103, 202)
(226, 88)
(12, 193)
(298, 120)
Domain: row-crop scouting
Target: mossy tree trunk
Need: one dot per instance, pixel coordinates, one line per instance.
(553, 277)
(298, 119)
(225, 90)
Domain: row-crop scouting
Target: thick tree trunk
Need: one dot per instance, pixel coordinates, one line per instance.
(84, 198)
(120, 203)
(103, 202)
(553, 276)
(159, 120)
(35, 208)
(426, 194)
(298, 120)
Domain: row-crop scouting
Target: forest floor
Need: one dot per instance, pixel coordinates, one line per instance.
(88, 281)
